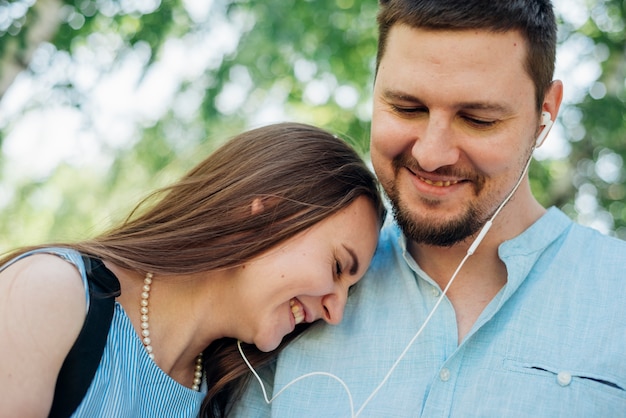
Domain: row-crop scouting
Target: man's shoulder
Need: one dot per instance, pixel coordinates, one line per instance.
(592, 239)
(391, 237)
(556, 228)
(583, 251)
(391, 246)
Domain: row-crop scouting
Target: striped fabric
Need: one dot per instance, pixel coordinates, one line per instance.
(128, 383)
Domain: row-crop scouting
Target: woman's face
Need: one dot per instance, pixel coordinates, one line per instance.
(306, 278)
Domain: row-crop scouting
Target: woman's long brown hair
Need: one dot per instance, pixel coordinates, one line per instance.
(300, 174)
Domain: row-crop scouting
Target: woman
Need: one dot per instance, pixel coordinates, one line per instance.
(267, 233)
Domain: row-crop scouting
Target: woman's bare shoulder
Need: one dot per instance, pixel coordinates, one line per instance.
(42, 309)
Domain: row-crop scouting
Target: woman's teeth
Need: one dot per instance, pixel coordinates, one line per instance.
(297, 310)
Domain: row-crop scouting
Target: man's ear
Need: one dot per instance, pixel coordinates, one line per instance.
(257, 206)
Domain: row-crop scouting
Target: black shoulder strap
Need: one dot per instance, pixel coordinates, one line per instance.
(83, 359)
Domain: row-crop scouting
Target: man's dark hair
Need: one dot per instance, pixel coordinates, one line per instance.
(534, 19)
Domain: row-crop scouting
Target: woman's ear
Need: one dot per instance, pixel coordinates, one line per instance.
(257, 206)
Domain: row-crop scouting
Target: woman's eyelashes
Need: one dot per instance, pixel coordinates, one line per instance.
(338, 268)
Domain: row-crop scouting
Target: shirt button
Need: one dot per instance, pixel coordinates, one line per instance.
(434, 291)
(444, 375)
(564, 378)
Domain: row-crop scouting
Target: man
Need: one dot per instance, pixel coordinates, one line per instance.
(534, 323)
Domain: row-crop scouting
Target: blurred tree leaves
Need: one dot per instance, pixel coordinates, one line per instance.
(596, 193)
(239, 64)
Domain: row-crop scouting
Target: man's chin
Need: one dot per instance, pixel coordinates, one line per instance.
(440, 235)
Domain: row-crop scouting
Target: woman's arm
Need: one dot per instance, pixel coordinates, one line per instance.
(42, 310)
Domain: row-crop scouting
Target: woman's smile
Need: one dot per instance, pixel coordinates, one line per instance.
(297, 310)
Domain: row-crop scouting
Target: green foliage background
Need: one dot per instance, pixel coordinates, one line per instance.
(287, 52)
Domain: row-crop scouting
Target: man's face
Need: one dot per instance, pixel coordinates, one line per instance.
(453, 125)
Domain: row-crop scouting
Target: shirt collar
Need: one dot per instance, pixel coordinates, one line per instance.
(519, 253)
(538, 236)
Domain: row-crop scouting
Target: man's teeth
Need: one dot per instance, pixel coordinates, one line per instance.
(439, 183)
(297, 311)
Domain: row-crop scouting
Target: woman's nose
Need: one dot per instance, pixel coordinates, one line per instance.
(333, 305)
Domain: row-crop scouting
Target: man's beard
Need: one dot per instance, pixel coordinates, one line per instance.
(441, 235)
(426, 231)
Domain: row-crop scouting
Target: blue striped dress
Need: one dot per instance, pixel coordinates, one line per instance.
(128, 383)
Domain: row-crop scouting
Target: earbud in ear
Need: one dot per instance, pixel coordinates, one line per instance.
(546, 118)
(546, 121)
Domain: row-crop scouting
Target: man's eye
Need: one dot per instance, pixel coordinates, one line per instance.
(407, 110)
(480, 123)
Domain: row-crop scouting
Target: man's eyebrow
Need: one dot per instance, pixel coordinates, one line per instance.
(354, 267)
(496, 107)
(397, 95)
(490, 106)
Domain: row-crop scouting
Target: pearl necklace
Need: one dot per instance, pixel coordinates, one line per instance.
(145, 332)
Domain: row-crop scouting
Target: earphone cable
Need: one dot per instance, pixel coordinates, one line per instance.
(468, 254)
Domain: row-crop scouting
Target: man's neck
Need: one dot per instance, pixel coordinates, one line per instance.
(483, 274)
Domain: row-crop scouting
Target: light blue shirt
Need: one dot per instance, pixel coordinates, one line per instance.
(552, 343)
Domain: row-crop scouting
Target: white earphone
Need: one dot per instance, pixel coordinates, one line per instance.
(546, 121)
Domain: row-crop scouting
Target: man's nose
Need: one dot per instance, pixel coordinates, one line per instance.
(435, 146)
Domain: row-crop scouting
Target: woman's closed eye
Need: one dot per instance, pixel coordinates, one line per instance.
(338, 268)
